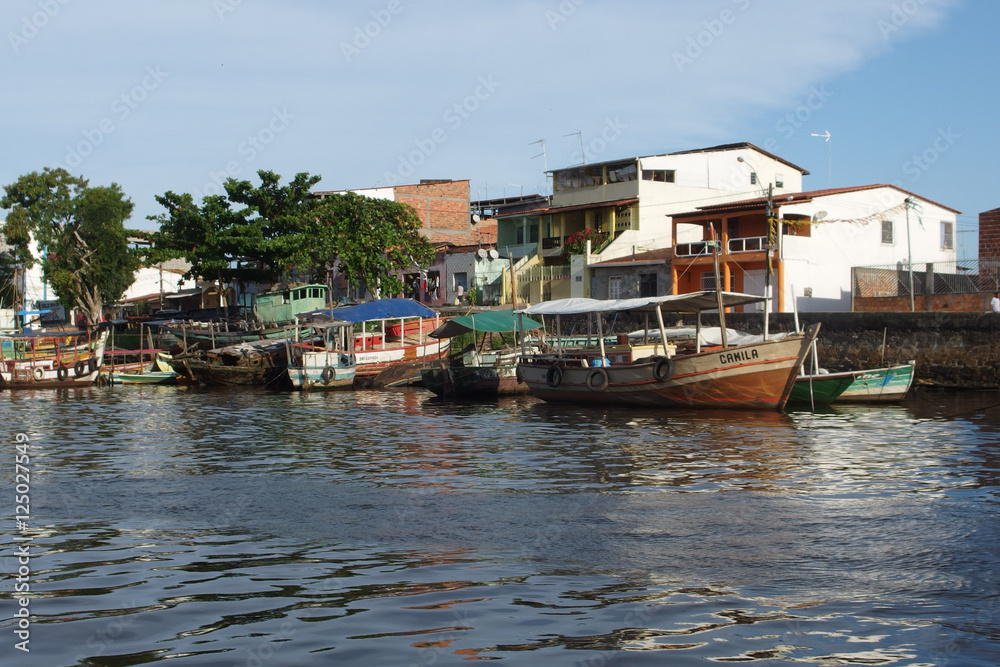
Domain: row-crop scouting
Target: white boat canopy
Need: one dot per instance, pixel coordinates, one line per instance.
(694, 302)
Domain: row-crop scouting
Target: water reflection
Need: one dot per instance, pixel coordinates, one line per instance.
(216, 527)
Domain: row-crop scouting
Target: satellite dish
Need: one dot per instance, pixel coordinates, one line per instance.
(475, 218)
(493, 253)
(482, 253)
(819, 215)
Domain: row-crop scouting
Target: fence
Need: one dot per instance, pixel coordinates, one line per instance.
(960, 277)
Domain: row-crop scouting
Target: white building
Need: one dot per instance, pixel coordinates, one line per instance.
(816, 239)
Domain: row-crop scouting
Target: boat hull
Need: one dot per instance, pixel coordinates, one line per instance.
(879, 385)
(75, 365)
(321, 370)
(820, 389)
(750, 377)
(472, 382)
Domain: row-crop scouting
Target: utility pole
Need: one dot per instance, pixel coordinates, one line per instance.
(909, 253)
(772, 238)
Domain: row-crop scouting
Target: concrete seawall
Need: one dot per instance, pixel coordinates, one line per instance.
(959, 350)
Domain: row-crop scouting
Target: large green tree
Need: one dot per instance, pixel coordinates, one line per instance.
(81, 233)
(271, 231)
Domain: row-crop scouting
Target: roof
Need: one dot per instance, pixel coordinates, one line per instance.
(711, 149)
(693, 302)
(658, 256)
(499, 321)
(576, 207)
(787, 199)
(381, 309)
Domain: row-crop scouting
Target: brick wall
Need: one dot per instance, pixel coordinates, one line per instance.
(989, 234)
(956, 303)
(443, 208)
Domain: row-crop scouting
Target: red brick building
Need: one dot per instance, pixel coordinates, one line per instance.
(443, 208)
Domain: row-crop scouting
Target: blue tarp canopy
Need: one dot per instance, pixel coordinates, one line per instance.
(373, 310)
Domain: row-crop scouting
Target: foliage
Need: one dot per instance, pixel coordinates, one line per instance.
(284, 232)
(576, 244)
(81, 230)
(471, 296)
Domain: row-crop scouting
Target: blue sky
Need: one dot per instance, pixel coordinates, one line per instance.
(177, 95)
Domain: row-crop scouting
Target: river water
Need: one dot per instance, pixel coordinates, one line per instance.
(389, 528)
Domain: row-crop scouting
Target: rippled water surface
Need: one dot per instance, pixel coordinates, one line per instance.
(388, 528)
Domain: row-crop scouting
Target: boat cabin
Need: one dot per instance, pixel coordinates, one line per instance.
(282, 306)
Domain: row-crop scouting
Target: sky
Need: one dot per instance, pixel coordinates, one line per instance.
(180, 95)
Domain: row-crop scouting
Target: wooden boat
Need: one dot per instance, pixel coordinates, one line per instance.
(321, 362)
(879, 385)
(251, 363)
(749, 376)
(377, 350)
(273, 312)
(820, 389)
(157, 371)
(477, 372)
(51, 359)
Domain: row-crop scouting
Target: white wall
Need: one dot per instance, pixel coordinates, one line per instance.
(852, 237)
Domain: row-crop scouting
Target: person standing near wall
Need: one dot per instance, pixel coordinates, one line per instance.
(995, 303)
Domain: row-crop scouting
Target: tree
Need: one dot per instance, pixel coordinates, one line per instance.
(81, 233)
(371, 240)
(283, 231)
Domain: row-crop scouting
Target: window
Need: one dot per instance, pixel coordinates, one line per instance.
(647, 284)
(779, 180)
(621, 171)
(947, 236)
(615, 287)
(753, 178)
(520, 235)
(887, 231)
(708, 281)
(659, 175)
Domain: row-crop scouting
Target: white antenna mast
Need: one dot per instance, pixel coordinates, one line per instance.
(583, 154)
(829, 141)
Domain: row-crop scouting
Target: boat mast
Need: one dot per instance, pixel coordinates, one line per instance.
(718, 291)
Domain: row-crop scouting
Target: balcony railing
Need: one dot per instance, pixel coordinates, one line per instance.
(748, 244)
(698, 249)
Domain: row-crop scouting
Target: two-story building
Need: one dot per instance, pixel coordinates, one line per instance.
(628, 204)
(802, 247)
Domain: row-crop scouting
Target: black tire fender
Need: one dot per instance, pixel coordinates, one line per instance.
(554, 376)
(80, 369)
(597, 379)
(328, 374)
(664, 369)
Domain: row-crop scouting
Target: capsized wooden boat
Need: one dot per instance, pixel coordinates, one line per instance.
(51, 359)
(478, 372)
(749, 376)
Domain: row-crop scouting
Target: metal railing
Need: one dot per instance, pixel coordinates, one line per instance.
(959, 277)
